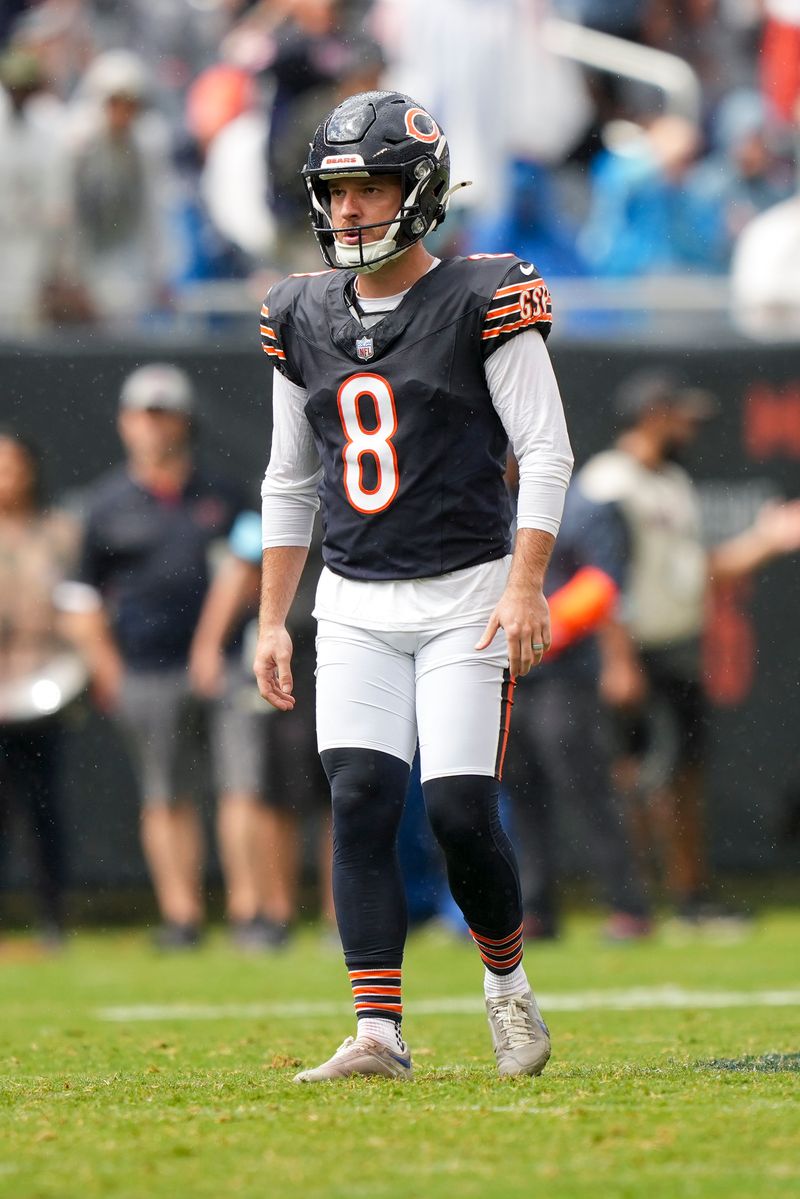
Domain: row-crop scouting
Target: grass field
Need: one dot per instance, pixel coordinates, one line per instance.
(674, 1073)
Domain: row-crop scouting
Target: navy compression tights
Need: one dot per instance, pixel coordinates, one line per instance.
(368, 790)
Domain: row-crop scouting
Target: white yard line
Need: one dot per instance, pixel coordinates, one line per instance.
(467, 1005)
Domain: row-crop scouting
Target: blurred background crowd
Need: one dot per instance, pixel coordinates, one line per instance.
(644, 155)
(148, 152)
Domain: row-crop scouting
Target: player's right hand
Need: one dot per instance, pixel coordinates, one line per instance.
(272, 668)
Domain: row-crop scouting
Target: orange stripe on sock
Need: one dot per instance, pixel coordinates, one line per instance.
(377, 991)
(509, 965)
(488, 941)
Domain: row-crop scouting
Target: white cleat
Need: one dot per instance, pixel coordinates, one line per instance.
(363, 1056)
(519, 1034)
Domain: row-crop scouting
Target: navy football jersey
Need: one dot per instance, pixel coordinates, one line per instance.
(412, 448)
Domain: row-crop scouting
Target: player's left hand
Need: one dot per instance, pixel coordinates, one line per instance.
(525, 618)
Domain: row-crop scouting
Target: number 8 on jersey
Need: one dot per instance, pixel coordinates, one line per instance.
(375, 442)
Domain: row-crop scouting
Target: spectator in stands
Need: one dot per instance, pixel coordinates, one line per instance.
(178, 39)
(34, 213)
(221, 97)
(60, 36)
(651, 674)
(226, 113)
(558, 759)
(639, 221)
(743, 176)
(149, 529)
(533, 222)
(121, 181)
(296, 784)
(317, 60)
(498, 90)
(38, 674)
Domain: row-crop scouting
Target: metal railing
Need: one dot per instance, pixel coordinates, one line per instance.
(617, 56)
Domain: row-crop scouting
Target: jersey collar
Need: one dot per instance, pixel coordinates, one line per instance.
(346, 330)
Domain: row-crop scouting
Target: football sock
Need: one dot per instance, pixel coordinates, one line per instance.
(385, 1031)
(502, 957)
(377, 998)
(497, 986)
(499, 954)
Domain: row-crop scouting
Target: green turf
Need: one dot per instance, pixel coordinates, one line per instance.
(646, 1104)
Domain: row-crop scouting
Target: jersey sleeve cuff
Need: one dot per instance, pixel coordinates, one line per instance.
(541, 503)
(286, 521)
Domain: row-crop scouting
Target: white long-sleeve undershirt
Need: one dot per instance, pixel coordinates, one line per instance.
(525, 395)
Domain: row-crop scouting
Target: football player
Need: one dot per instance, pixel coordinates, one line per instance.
(400, 381)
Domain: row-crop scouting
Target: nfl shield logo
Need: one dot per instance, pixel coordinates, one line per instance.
(364, 348)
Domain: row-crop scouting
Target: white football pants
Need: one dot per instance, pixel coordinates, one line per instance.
(384, 690)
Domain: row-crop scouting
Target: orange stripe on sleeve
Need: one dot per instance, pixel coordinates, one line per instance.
(516, 288)
(511, 328)
(494, 313)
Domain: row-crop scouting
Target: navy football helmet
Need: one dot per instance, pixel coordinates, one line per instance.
(375, 133)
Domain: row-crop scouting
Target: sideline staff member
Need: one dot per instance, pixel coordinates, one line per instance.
(148, 531)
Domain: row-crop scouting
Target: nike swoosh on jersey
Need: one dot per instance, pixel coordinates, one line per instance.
(527, 270)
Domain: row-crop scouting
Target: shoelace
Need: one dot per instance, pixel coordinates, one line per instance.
(352, 1043)
(515, 1025)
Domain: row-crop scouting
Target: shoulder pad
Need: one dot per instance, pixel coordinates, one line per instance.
(520, 301)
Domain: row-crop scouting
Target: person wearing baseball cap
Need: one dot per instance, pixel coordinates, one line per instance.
(654, 390)
(151, 526)
(158, 387)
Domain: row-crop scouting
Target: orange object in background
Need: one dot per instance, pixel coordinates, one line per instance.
(218, 95)
(580, 606)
